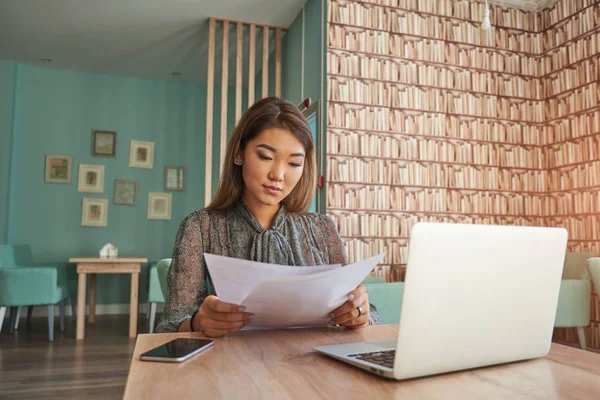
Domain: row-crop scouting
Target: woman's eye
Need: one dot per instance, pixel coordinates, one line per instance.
(295, 165)
(262, 157)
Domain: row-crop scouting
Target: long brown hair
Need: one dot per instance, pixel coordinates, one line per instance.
(270, 112)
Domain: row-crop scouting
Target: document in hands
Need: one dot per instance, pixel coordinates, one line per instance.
(282, 296)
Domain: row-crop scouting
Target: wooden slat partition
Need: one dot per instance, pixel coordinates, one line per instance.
(251, 63)
(210, 88)
(278, 62)
(265, 62)
(225, 98)
(239, 55)
(224, 88)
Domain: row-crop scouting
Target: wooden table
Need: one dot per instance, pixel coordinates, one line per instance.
(281, 364)
(112, 265)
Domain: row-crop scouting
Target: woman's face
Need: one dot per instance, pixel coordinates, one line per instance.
(272, 165)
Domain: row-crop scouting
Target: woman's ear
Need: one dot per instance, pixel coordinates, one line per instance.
(238, 159)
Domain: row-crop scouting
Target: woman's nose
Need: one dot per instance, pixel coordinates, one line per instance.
(276, 173)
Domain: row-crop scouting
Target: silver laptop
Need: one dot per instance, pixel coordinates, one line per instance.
(475, 295)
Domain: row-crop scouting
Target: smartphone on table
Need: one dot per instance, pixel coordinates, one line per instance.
(177, 350)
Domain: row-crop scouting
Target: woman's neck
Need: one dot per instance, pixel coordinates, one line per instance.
(264, 214)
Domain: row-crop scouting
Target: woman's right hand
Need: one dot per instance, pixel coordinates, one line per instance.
(216, 318)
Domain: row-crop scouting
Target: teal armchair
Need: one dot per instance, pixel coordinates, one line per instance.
(162, 271)
(24, 284)
(387, 298)
(573, 310)
(373, 279)
(155, 293)
(593, 265)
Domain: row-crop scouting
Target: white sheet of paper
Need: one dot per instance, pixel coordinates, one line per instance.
(235, 278)
(285, 300)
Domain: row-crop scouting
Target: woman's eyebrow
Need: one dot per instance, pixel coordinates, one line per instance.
(266, 146)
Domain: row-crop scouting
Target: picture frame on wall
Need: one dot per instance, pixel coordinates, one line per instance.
(174, 178)
(104, 143)
(141, 154)
(125, 192)
(94, 212)
(91, 178)
(58, 168)
(159, 205)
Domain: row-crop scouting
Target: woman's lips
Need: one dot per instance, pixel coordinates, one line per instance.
(273, 190)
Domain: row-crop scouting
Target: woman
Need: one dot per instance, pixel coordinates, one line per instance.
(259, 213)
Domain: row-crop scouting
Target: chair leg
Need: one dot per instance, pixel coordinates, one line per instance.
(73, 300)
(51, 322)
(18, 317)
(2, 314)
(581, 335)
(152, 316)
(13, 316)
(61, 307)
(29, 313)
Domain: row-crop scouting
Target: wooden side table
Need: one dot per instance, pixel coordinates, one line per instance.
(112, 265)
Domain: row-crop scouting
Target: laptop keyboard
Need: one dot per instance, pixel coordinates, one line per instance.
(384, 358)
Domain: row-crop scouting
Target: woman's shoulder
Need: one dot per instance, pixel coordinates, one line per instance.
(202, 215)
(311, 218)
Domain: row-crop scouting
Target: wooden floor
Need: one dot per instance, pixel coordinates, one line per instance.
(33, 368)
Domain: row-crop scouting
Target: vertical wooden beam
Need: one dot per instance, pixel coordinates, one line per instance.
(238, 72)
(251, 64)
(278, 62)
(210, 86)
(265, 62)
(224, 89)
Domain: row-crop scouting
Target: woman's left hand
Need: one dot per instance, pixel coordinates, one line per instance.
(348, 314)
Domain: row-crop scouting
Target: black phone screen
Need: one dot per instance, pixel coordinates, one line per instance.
(178, 348)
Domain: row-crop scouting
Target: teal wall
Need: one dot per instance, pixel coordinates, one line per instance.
(7, 92)
(306, 76)
(55, 111)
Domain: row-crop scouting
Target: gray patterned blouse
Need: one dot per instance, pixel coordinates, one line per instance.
(297, 239)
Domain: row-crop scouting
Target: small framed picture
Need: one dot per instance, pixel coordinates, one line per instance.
(174, 178)
(94, 212)
(104, 143)
(141, 154)
(125, 192)
(58, 169)
(91, 178)
(159, 205)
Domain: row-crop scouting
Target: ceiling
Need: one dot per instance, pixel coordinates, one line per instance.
(143, 38)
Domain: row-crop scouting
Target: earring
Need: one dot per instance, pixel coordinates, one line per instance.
(237, 161)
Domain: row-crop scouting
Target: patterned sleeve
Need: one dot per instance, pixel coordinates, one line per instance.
(337, 255)
(186, 282)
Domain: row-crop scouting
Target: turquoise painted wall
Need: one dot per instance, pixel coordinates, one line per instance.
(55, 111)
(291, 72)
(7, 92)
(305, 76)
